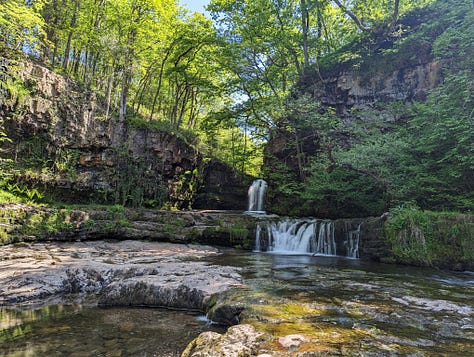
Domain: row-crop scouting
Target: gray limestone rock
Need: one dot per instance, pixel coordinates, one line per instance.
(121, 273)
(238, 341)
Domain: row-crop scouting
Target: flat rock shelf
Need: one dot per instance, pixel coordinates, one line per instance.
(125, 273)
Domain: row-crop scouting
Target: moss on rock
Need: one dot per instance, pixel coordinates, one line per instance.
(426, 238)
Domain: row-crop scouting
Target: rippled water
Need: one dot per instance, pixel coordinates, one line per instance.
(89, 331)
(342, 306)
(349, 307)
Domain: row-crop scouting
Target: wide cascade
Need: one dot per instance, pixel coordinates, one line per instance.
(307, 236)
(256, 197)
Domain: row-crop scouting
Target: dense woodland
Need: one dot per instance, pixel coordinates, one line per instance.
(230, 82)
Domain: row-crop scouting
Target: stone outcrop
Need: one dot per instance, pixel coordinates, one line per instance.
(354, 95)
(175, 285)
(374, 245)
(367, 83)
(127, 273)
(241, 340)
(351, 91)
(222, 188)
(20, 223)
(61, 130)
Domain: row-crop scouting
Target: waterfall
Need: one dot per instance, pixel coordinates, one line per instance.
(290, 236)
(326, 244)
(258, 244)
(307, 236)
(257, 196)
(352, 243)
(298, 236)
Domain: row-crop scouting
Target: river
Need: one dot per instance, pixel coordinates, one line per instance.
(340, 306)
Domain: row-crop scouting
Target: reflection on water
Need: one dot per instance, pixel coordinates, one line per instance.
(346, 306)
(89, 331)
(342, 306)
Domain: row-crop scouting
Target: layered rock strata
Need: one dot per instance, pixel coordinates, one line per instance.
(127, 273)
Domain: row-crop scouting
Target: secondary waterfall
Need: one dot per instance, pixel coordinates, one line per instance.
(307, 236)
(352, 243)
(257, 196)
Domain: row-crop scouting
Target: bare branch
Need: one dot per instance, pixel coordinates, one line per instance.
(354, 17)
(361, 26)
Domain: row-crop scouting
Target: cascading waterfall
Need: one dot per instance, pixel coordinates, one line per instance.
(306, 236)
(290, 236)
(352, 243)
(326, 244)
(257, 196)
(258, 243)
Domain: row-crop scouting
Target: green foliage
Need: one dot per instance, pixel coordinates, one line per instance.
(185, 191)
(7, 197)
(34, 224)
(139, 122)
(230, 84)
(398, 152)
(235, 147)
(239, 237)
(117, 218)
(135, 184)
(31, 194)
(329, 192)
(13, 90)
(321, 186)
(21, 25)
(431, 238)
(174, 227)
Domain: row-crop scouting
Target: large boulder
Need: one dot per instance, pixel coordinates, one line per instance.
(189, 285)
(238, 341)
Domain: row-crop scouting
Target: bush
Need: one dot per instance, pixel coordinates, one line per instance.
(428, 238)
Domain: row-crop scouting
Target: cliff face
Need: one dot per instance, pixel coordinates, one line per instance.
(354, 94)
(351, 92)
(61, 138)
(354, 140)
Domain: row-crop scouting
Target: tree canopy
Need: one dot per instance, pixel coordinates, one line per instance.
(233, 79)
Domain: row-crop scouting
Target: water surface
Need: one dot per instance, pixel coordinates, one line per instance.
(90, 331)
(342, 306)
(350, 307)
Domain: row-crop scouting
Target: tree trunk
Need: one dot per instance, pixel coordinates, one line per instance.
(305, 29)
(160, 81)
(110, 83)
(67, 50)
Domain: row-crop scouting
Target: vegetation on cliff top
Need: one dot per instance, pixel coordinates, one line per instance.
(230, 81)
(424, 156)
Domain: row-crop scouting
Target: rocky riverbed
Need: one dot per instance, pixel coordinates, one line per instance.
(125, 273)
(282, 305)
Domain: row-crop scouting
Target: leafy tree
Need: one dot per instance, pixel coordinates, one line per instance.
(367, 166)
(21, 25)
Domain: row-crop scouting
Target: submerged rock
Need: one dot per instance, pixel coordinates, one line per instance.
(291, 341)
(225, 313)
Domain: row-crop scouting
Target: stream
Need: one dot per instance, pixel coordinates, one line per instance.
(350, 307)
(77, 330)
(341, 306)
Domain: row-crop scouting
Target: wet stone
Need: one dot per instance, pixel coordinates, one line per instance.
(291, 341)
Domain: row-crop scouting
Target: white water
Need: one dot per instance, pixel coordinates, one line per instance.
(352, 243)
(299, 236)
(257, 196)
